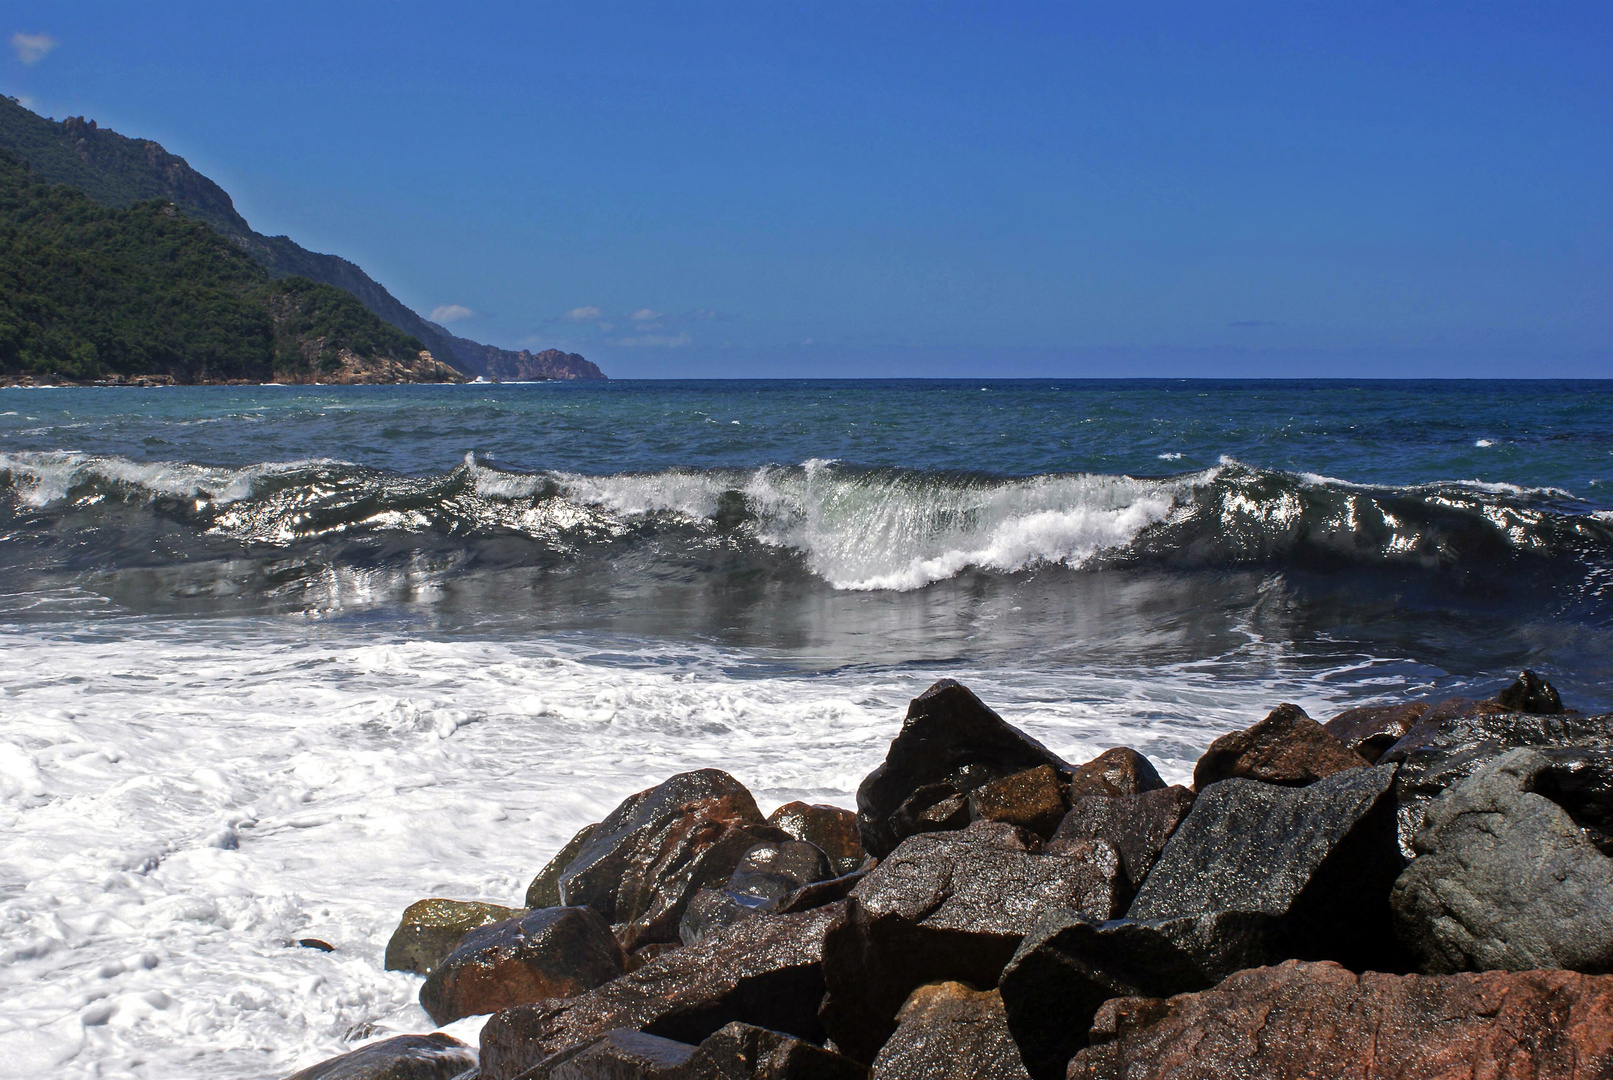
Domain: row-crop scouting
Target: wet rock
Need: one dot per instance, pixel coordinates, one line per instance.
(645, 953)
(407, 1057)
(1443, 750)
(431, 929)
(820, 893)
(1530, 694)
(1506, 876)
(747, 1052)
(949, 1031)
(1033, 800)
(1287, 747)
(832, 828)
(549, 953)
(545, 888)
(1372, 729)
(622, 1055)
(949, 745)
(765, 971)
(766, 873)
(715, 909)
(1137, 825)
(643, 864)
(1320, 1020)
(1117, 772)
(947, 907)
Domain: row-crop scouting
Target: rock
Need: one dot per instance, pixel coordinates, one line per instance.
(1320, 860)
(766, 873)
(1530, 694)
(1372, 729)
(1320, 1020)
(949, 745)
(431, 929)
(642, 865)
(765, 971)
(820, 893)
(946, 907)
(545, 888)
(1137, 825)
(407, 1057)
(832, 828)
(948, 1031)
(621, 1055)
(1446, 747)
(747, 1052)
(548, 953)
(1117, 772)
(1033, 800)
(1287, 747)
(1506, 877)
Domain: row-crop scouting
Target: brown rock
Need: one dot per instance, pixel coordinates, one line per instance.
(830, 827)
(735, 1052)
(549, 953)
(948, 1031)
(1137, 825)
(431, 929)
(407, 1057)
(620, 1055)
(765, 971)
(947, 907)
(1033, 799)
(545, 888)
(1372, 729)
(1531, 694)
(642, 865)
(1309, 1020)
(1287, 747)
(1121, 771)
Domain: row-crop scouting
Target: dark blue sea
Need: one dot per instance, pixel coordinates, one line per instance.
(278, 661)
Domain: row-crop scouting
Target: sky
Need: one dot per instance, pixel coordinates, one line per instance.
(892, 189)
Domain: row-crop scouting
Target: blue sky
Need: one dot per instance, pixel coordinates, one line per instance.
(689, 189)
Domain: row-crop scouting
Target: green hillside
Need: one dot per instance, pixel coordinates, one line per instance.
(88, 291)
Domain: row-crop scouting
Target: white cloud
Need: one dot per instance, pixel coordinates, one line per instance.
(583, 314)
(654, 341)
(31, 48)
(644, 315)
(447, 313)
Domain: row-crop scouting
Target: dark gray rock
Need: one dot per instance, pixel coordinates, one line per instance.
(765, 875)
(553, 952)
(643, 864)
(746, 1052)
(1287, 747)
(831, 828)
(949, 1030)
(947, 907)
(545, 888)
(1137, 825)
(1506, 877)
(1530, 694)
(620, 1055)
(1371, 729)
(1118, 772)
(765, 971)
(431, 929)
(820, 893)
(949, 745)
(407, 1057)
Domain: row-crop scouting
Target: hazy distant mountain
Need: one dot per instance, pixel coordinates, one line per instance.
(118, 171)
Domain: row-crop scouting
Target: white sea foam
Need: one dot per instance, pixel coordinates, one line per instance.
(1483, 443)
(180, 802)
(44, 478)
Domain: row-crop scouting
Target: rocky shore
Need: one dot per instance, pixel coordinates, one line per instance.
(1418, 890)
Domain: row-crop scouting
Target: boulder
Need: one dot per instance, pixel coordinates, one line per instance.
(1445, 749)
(714, 909)
(1508, 875)
(641, 866)
(832, 828)
(1305, 1020)
(1033, 800)
(407, 1057)
(1371, 729)
(949, 745)
(948, 1031)
(1137, 825)
(1121, 771)
(947, 907)
(431, 929)
(548, 953)
(765, 971)
(545, 888)
(1287, 747)
(765, 875)
(820, 893)
(1530, 694)
(621, 1055)
(735, 1052)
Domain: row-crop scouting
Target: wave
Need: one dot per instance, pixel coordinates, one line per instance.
(853, 528)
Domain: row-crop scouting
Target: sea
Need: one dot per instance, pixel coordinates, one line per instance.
(275, 662)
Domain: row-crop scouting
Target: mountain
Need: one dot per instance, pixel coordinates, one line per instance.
(143, 294)
(118, 171)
